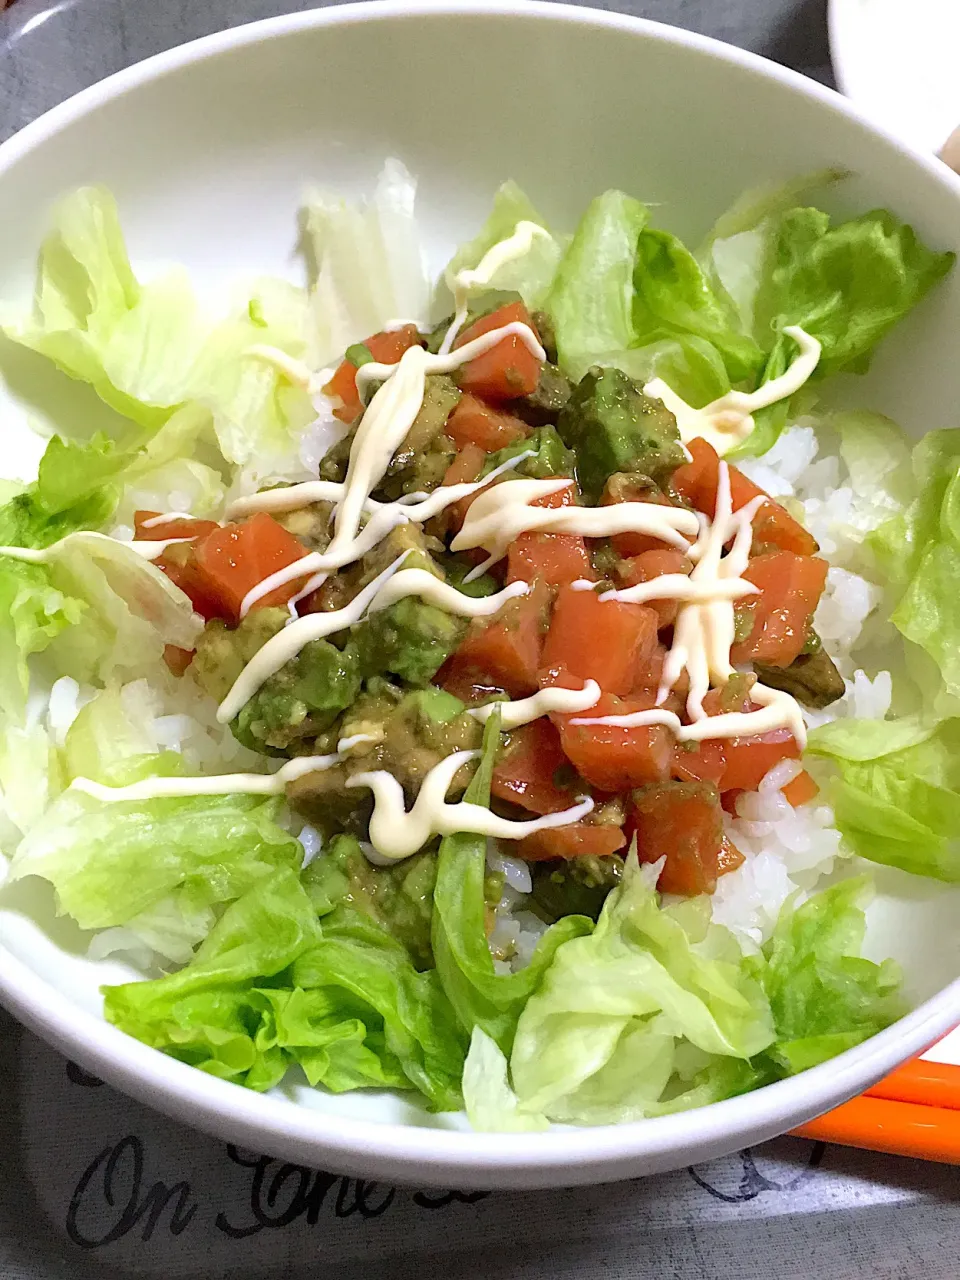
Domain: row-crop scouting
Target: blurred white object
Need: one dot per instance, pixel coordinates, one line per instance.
(897, 62)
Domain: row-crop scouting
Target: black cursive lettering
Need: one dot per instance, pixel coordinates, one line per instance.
(280, 1194)
(753, 1183)
(122, 1167)
(443, 1199)
(77, 1075)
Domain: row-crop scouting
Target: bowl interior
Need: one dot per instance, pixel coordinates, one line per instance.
(208, 153)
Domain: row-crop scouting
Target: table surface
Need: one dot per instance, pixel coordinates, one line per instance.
(179, 1204)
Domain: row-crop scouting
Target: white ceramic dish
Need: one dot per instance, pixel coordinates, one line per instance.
(898, 64)
(207, 148)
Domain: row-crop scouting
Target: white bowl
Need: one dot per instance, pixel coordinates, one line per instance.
(208, 148)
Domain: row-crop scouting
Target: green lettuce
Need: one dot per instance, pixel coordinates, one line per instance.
(108, 862)
(919, 551)
(824, 996)
(530, 275)
(481, 996)
(597, 1041)
(592, 297)
(35, 608)
(275, 986)
(896, 796)
(148, 351)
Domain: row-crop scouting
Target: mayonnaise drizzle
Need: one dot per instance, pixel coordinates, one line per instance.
(727, 422)
(502, 253)
(703, 633)
(521, 711)
(396, 833)
(501, 514)
(220, 784)
(378, 594)
(46, 555)
(386, 516)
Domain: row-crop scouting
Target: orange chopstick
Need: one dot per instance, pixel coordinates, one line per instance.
(932, 1084)
(901, 1128)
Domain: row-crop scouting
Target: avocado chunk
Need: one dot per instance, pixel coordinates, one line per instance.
(613, 426)
(812, 678)
(312, 525)
(425, 454)
(222, 653)
(302, 700)
(550, 456)
(410, 639)
(545, 403)
(578, 886)
(409, 733)
(406, 734)
(398, 898)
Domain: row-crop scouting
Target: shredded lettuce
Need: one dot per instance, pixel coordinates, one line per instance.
(273, 986)
(530, 275)
(592, 298)
(896, 798)
(824, 996)
(110, 862)
(368, 261)
(597, 1040)
(919, 551)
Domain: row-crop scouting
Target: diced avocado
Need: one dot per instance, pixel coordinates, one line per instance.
(408, 733)
(456, 571)
(400, 898)
(411, 639)
(222, 653)
(310, 525)
(545, 403)
(408, 538)
(812, 678)
(613, 426)
(424, 456)
(550, 457)
(302, 700)
(333, 464)
(575, 887)
(544, 326)
(326, 801)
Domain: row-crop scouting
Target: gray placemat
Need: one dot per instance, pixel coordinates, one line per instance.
(49, 51)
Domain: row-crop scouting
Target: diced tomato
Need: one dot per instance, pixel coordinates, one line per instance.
(624, 488)
(729, 858)
(509, 369)
(696, 481)
(790, 589)
(177, 659)
(566, 497)
(533, 771)
(602, 640)
(579, 840)
(235, 557)
(557, 558)
(503, 653)
(473, 422)
(185, 528)
(801, 789)
(700, 761)
(649, 565)
(613, 758)
(464, 469)
(748, 759)
(386, 348)
(179, 563)
(682, 822)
